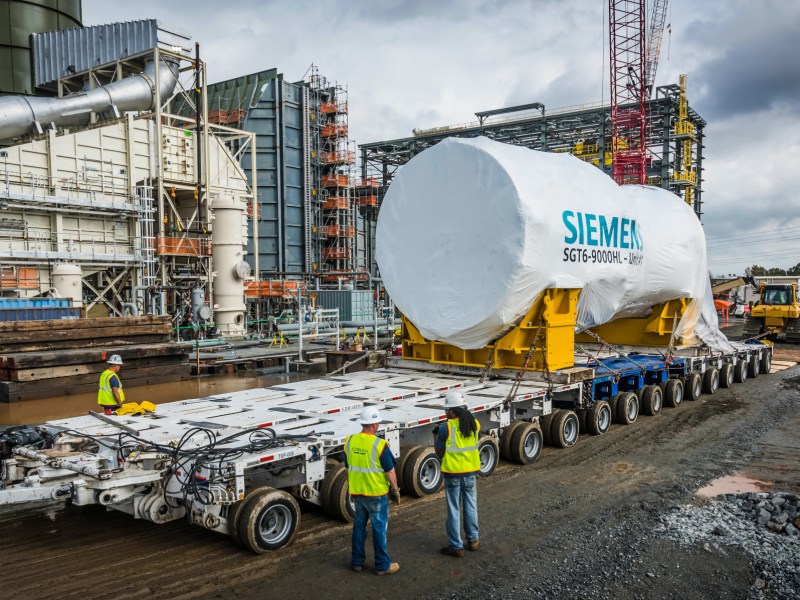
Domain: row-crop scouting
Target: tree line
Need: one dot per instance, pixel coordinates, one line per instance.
(759, 271)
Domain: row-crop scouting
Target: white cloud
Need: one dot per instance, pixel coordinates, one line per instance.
(420, 63)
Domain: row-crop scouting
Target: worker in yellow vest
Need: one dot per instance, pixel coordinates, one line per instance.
(372, 481)
(457, 447)
(110, 395)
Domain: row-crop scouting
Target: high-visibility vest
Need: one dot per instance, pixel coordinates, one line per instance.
(461, 453)
(365, 476)
(105, 397)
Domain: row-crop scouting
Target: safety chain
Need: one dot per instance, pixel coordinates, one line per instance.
(521, 372)
(614, 348)
(592, 357)
(487, 368)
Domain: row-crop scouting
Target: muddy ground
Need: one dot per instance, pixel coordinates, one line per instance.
(579, 523)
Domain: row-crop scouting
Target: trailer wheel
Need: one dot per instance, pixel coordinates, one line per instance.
(270, 521)
(652, 400)
(627, 408)
(583, 421)
(235, 516)
(505, 438)
(752, 367)
(693, 386)
(766, 362)
(673, 393)
(490, 455)
(333, 469)
(422, 474)
(711, 381)
(598, 418)
(545, 423)
(405, 452)
(740, 371)
(564, 429)
(338, 504)
(726, 375)
(526, 444)
(613, 402)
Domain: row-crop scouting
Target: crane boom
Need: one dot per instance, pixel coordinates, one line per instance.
(655, 33)
(628, 94)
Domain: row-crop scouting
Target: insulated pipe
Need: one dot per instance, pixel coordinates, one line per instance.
(131, 306)
(20, 114)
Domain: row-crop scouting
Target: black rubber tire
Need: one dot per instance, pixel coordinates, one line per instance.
(640, 393)
(673, 393)
(613, 401)
(583, 420)
(505, 438)
(235, 519)
(333, 470)
(526, 444)
(765, 364)
(422, 475)
(269, 522)
(545, 423)
(489, 452)
(598, 418)
(565, 429)
(753, 367)
(627, 408)
(740, 371)
(405, 452)
(693, 386)
(338, 504)
(726, 375)
(710, 380)
(652, 400)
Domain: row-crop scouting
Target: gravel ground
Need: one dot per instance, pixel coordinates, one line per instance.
(616, 516)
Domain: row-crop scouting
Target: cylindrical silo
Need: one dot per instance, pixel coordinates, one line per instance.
(228, 237)
(18, 20)
(471, 231)
(67, 281)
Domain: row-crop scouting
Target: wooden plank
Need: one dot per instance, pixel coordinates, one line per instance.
(45, 358)
(19, 337)
(72, 344)
(34, 390)
(100, 322)
(94, 368)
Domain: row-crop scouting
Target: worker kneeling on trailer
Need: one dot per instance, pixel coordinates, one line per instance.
(110, 395)
(457, 447)
(372, 481)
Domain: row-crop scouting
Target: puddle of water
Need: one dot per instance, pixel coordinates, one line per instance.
(733, 484)
(62, 407)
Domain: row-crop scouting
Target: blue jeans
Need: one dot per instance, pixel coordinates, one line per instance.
(461, 489)
(375, 509)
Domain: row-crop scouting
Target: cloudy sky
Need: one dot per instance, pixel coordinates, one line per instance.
(423, 63)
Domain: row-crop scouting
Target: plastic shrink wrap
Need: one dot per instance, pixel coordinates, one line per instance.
(471, 231)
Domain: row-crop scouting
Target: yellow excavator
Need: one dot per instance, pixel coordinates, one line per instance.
(777, 311)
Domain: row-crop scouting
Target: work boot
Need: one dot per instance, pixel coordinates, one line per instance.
(473, 544)
(356, 568)
(448, 551)
(393, 568)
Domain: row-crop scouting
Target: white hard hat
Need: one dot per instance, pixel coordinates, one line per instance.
(453, 399)
(369, 416)
(115, 359)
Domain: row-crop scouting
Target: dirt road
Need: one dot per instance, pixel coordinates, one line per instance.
(579, 523)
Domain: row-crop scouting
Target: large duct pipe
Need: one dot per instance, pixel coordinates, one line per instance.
(20, 114)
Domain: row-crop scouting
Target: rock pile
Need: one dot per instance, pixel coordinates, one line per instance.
(777, 512)
(764, 525)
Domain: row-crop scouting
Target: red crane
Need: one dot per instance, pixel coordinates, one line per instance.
(628, 90)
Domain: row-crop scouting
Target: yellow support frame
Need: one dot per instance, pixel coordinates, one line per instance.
(553, 316)
(654, 330)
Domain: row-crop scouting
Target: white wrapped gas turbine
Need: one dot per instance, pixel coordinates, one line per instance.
(471, 231)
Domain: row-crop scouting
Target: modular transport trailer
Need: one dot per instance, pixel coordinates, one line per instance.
(239, 463)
